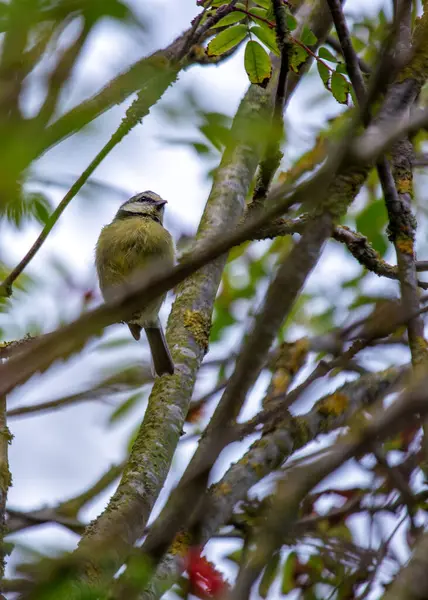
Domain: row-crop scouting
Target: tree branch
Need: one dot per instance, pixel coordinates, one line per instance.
(125, 518)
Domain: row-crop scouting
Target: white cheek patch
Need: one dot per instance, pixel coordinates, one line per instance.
(135, 207)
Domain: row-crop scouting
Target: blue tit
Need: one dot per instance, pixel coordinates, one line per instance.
(134, 238)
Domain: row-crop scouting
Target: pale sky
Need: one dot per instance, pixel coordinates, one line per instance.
(57, 455)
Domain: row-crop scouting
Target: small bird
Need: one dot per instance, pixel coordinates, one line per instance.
(134, 238)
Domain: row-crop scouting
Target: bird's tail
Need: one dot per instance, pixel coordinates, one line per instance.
(161, 356)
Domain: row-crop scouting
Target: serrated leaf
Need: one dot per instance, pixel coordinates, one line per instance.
(257, 63)
(269, 575)
(267, 37)
(339, 88)
(308, 38)
(230, 19)
(324, 74)
(288, 574)
(226, 40)
(326, 55)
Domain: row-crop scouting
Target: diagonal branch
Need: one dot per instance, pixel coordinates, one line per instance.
(139, 109)
(115, 531)
(265, 455)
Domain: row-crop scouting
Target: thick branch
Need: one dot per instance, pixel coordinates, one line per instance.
(125, 518)
(267, 454)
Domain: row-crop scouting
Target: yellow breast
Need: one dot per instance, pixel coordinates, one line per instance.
(128, 245)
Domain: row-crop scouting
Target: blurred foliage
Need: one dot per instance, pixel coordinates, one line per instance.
(43, 41)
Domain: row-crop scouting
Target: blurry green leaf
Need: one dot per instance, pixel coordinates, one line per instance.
(257, 64)
(258, 12)
(358, 44)
(325, 53)
(115, 343)
(226, 40)
(371, 222)
(201, 148)
(265, 3)
(41, 207)
(288, 573)
(235, 556)
(308, 38)
(341, 68)
(340, 531)
(216, 128)
(339, 87)
(267, 36)
(354, 282)
(230, 19)
(123, 409)
(269, 575)
(324, 73)
(291, 22)
(29, 205)
(298, 57)
(222, 319)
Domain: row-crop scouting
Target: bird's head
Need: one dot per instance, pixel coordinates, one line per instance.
(146, 205)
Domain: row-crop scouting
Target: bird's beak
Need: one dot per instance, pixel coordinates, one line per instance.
(161, 202)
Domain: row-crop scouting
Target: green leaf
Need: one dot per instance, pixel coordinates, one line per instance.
(308, 38)
(326, 55)
(298, 57)
(258, 12)
(125, 407)
(257, 64)
(341, 68)
(201, 148)
(339, 88)
(288, 574)
(269, 575)
(358, 44)
(235, 556)
(291, 22)
(40, 207)
(230, 19)
(324, 74)
(371, 222)
(226, 40)
(267, 36)
(265, 3)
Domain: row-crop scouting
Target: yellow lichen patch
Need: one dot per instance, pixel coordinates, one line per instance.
(419, 348)
(336, 404)
(292, 356)
(181, 544)
(199, 327)
(223, 489)
(405, 245)
(404, 185)
(280, 382)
